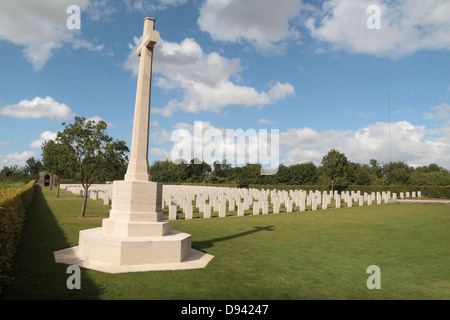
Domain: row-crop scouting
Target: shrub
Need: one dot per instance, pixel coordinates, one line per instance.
(14, 203)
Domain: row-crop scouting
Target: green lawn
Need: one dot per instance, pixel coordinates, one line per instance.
(310, 255)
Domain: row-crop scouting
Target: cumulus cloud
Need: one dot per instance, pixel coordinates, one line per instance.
(266, 24)
(38, 108)
(40, 27)
(16, 158)
(160, 136)
(205, 142)
(45, 136)
(204, 80)
(406, 27)
(413, 144)
(161, 154)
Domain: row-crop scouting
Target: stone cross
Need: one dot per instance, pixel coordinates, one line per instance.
(138, 166)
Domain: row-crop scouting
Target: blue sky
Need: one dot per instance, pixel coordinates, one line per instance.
(311, 69)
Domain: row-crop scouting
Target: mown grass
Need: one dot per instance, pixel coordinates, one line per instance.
(310, 255)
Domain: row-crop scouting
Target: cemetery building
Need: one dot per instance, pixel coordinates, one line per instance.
(46, 179)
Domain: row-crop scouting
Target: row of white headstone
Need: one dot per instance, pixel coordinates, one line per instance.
(221, 200)
(95, 191)
(207, 199)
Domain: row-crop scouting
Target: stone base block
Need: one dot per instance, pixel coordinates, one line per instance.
(140, 197)
(71, 256)
(135, 229)
(97, 246)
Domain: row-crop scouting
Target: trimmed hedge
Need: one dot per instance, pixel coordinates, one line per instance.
(14, 203)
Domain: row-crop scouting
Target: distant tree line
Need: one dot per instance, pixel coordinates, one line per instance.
(335, 169)
(26, 173)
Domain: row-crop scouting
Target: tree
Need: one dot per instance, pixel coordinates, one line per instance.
(250, 174)
(33, 167)
(397, 172)
(166, 171)
(283, 174)
(335, 166)
(222, 168)
(358, 174)
(58, 159)
(377, 169)
(303, 173)
(196, 171)
(94, 153)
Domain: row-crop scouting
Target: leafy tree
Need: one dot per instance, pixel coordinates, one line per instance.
(58, 159)
(303, 173)
(33, 167)
(10, 171)
(251, 174)
(95, 154)
(358, 174)
(197, 172)
(167, 171)
(397, 173)
(222, 169)
(335, 167)
(376, 168)
(283, 174)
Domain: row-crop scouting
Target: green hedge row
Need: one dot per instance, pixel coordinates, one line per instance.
(14, 203)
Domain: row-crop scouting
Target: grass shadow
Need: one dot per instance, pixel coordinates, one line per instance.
(202, 245)
(36, 275)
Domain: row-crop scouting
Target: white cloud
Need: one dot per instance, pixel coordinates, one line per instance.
(40, 27)
(4, 143)
(441, 112)
(415, 145)
(151, 5)
(45, 136)
(98, 119)
(100, 10)
(406, 27)
(160, 136)
(38, 108)
(160, 153)
(204, 80)
(16, 158)
(266, 24)
(207, 143)
(265, 121)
